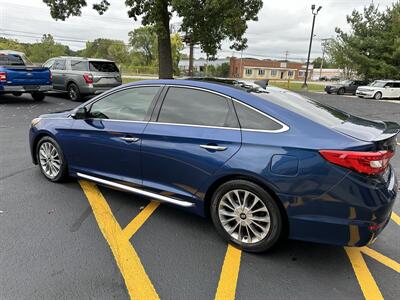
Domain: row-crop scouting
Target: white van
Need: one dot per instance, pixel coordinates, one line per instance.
(380, 89)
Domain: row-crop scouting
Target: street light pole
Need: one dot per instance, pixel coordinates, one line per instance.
(315, 13)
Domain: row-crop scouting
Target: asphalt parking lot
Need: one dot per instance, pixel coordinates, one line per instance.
(79, 241)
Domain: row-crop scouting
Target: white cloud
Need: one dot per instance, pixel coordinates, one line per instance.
(284, 25)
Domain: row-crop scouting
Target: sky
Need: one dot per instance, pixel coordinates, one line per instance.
(284, 26)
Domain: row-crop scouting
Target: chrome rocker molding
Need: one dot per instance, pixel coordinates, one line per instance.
(136, 191)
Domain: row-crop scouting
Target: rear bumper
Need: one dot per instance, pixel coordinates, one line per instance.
(352, 213)
(365, 94)
(25, 88)
(91, 89)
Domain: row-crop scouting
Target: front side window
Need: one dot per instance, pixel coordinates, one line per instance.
(49, 63)
(196, 107)
(131, 105)
(250, 118)
(79, 65)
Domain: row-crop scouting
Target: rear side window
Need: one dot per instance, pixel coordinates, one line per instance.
(250, 118)
(11, 60)
(79, 65)
(196, 107)
(396, 85)
(102, 66)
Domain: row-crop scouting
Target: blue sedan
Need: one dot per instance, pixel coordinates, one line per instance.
(265, 165)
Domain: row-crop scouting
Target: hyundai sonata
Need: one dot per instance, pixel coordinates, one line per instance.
(264, 165)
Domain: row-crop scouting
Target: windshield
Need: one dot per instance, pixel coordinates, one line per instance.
(378, 83)
(345, 82)
(313, 110)
(102, 66)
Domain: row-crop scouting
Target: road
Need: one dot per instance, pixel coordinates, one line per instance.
(56, 244)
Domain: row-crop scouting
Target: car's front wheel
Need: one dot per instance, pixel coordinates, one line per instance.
(246, 215)
(378, 96)
(51, 160)
(341, 91)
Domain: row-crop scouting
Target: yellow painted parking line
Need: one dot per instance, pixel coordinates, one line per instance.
(137, 282)
(229, 275)
(396, 218)
(381, 258)
(365, 280)
(139, 220)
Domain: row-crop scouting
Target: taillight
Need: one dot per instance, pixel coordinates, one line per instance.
(88, 78)
(3, 76)
(371, 163)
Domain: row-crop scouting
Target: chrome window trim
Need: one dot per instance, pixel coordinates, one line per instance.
(128, 188)
(283, 129)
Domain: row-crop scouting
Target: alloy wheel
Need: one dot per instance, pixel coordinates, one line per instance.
(244, 216)
(50, 160)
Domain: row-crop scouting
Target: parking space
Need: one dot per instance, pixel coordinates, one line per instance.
(77, 240)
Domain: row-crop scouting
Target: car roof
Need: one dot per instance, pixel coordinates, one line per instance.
(82, 58)
(6, 52)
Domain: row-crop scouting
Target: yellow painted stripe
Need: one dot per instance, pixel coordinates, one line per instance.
(381, 258)
(139, 220)
(229, 275)
(365, 280)
(396, 218)
(137, 282)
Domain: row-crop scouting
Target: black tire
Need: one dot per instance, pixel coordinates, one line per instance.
(378, 96)
(17, 94)
(275, 230)
(38, 96)
(73, 92)
(341, 91)
(63, 172)
(329, 93)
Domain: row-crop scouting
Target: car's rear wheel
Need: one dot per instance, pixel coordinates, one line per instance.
(340, 91)
(246, 215)
(73, 92)
(51, 160)
(378, 96)
(38, 96)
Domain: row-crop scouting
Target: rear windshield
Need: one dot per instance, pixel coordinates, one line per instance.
(102, 66)
(11, 60)
(313, 110)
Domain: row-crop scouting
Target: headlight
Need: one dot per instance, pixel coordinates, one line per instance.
(35, 121)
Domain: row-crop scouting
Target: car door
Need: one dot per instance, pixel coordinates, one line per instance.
(396, 90)
(57, 71)
(107, 143)
(388, 90)
(195, 133)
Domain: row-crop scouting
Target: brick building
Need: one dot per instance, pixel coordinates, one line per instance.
(249, 68)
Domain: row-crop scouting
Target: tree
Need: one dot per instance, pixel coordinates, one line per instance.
(47, 48)
(372, 46)
(105, 48)
(218, 19)
(144, 40)
(176, 48)
(326, 63)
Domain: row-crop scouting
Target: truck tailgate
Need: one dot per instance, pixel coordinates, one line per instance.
(22, 75)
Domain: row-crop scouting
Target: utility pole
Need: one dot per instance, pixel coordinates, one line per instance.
(315, 13)
(191, 46)
(286, 55)
(323, 45)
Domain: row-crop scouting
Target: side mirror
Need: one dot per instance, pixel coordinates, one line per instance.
(80, 113)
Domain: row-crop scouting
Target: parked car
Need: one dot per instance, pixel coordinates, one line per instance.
(380, 89)
(18, 75)
(345, 87)
(79, 76)
(263, 165)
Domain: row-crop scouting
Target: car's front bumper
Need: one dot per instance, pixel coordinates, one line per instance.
(25, 88)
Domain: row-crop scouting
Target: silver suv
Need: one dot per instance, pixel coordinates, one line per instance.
(81, 76)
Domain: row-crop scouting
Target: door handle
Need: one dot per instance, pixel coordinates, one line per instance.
(130, 139)
(213, 147)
